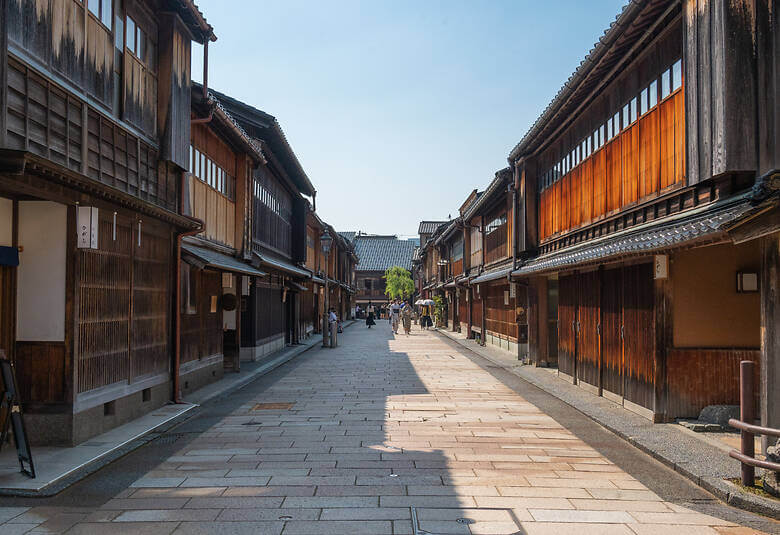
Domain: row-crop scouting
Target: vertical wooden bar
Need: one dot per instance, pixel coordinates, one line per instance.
(770, 334)
(747, 416)
(663, 341)
(3, 71)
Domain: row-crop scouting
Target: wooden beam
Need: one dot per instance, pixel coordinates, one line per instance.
(663, 341)
(770, 334)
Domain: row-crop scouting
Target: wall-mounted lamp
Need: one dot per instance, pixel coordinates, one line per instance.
(747, 282)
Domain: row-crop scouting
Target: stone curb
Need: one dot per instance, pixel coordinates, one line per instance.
(719, 487)
(93, 466)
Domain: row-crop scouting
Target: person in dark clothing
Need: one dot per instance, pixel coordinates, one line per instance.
(370, 319)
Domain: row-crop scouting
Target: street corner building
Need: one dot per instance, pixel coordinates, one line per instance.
(634, 239)
(376, 254)
(153, 232)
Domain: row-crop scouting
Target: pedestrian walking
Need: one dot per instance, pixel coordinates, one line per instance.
(395, 315)
(406, 317)
(370, 319)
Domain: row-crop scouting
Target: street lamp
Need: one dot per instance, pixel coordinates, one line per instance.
(325, 242)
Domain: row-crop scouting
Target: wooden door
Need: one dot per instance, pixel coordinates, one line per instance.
(638, 334)
(588, 312)
(611, 323)
(567, 317)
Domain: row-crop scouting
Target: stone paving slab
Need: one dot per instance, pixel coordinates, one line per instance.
(399, 430)
(705, 462)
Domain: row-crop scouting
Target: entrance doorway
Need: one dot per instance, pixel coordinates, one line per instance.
(606, 332)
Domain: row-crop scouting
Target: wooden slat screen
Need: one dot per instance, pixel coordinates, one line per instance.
(151, 275)
(104, 288)
(644, 159)
(499, 317)
(700, 377)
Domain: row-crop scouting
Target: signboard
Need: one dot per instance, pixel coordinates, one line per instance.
(512, 290)
(506, 297)
(11, 416)
(661, 268)
(88, 227)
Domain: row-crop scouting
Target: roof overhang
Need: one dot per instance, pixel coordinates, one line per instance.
(710, 223)
(279, 264)
(207, 259)
(22, 163)
(494, 275)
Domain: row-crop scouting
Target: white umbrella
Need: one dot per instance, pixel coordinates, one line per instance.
(428, 302)
(418, 302)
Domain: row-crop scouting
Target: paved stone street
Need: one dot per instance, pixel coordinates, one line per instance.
(384, 435)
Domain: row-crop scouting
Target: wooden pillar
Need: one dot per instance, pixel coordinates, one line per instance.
(482, 304)
(3, 69)
(470, 299)
(770, 334)
(663, 340)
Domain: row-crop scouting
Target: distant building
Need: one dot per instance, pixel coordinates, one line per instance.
(375, 255)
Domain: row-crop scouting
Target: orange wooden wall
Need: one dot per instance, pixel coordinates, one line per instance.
(645, 158)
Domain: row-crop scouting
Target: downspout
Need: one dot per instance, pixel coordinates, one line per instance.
(177, 329)
(515, 219)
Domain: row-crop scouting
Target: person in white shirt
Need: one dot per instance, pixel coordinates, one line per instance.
(395, 315)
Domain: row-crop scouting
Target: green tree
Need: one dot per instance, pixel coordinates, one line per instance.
(438, 310)
(398, 283)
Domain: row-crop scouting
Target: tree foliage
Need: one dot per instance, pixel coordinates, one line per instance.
(398, 283)
(439, 309)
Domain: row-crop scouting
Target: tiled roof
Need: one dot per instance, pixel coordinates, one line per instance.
(429, 227)
(615, 36)
(348, 235)
(378, 253)
(707, 222)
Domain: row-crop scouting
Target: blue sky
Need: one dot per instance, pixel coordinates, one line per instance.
(398, 109)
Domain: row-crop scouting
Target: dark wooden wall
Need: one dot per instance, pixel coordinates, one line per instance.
(606, 331)
(46, 120)
(269, 313)
(272, 213)
(499, 318)
(496, 242)
(173, 89)
(700, 377)
(42, 372)
(721, 86)
(123, 298)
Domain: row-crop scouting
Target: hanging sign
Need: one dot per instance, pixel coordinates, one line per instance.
(88, 227)
(661, 266)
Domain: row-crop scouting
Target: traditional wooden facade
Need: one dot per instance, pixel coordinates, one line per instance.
(215, 271)
(376, 254)
(637, 218)
(642, 216)
(276, 240)
(94, 140)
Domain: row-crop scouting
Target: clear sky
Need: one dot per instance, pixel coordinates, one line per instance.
(398, 109)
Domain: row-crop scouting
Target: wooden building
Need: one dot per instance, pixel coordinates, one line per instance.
(648, 212)
(639, 219)
(94, 142)
(215, 268)
(376, 254)
(276, 241)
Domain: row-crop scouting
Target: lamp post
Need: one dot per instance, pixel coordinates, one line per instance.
(325, 242)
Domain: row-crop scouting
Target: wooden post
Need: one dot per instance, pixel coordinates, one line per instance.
(3, 68)
(663, 340)
(770, 334)
(470, 301)
(483, 336)
(747, 416)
